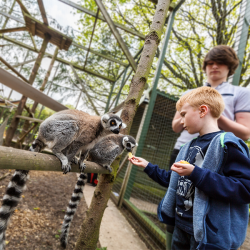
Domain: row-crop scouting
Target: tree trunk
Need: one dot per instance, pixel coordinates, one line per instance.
(14, 123)
(89, 234)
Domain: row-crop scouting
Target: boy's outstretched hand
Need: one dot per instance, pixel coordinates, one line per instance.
(182, 169)
(138, 161)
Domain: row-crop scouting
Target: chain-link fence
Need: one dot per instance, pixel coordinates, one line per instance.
(142, 194)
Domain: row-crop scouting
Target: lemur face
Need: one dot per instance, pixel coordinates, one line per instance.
(113, 123)
(129, 143)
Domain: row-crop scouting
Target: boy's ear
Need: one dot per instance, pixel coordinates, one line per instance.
(203, 110)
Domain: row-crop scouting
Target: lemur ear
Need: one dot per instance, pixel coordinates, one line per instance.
(105, 118)
(119, 113)
(126, 138)
(124, 125)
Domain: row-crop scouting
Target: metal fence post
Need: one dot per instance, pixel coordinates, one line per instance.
(242, 32)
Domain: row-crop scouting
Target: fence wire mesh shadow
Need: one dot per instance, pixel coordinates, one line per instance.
(143, 195)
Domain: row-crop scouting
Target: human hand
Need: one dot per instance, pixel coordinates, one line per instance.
(182, 169)
(138, 161)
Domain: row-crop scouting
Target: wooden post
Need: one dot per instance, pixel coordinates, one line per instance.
(35, 104)
(14, 123)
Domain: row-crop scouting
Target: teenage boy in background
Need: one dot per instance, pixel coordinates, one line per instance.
(207, 199)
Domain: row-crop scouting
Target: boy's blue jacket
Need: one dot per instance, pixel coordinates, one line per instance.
(218, 222)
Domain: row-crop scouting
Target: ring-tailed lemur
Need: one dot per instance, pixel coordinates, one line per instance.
(104, 153)
(66, 133)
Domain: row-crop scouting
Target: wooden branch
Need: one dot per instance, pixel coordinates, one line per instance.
(25, 62)
(15, 71)
(49, 69)
(43, 13)
(29, 118)
(12, 158)
(116, 34)
(62, 43)
(33, 41)
(13, 30)
(84, 90)
(33, 28)
(26, 133)
(92, 13)
(112, 59)
(10, 11)
(23, 7)
(61, 60)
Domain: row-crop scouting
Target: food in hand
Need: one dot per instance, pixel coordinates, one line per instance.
(130, 155)
(183, 162)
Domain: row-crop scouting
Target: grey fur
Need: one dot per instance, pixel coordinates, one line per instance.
(70, 131)
(66, 133)
(104, 152)
(109, 147)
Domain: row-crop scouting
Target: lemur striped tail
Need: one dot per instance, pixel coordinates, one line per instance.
(13, 195)
(71, 209)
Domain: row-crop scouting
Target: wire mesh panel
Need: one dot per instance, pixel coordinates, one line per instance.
(142, 193)
(145, 194)
(133, 131)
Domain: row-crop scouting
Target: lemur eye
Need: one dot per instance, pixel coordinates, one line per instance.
(112, 123)
(120, 126)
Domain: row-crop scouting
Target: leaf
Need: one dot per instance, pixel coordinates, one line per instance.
(36, 208)
(57, 236)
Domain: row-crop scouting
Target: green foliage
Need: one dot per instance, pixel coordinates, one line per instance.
(199, 25)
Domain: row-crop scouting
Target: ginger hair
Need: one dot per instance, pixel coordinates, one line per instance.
(203, 96)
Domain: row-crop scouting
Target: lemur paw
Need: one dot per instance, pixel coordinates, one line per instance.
(66, 168)
(108, 168)
(82, 166)
(74, 160)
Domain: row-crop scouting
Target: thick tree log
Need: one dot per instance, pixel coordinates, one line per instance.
(89, 234)
(12, 158)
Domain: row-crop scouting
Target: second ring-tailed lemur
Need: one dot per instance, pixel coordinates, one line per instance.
(103, 153)
(65, 133)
